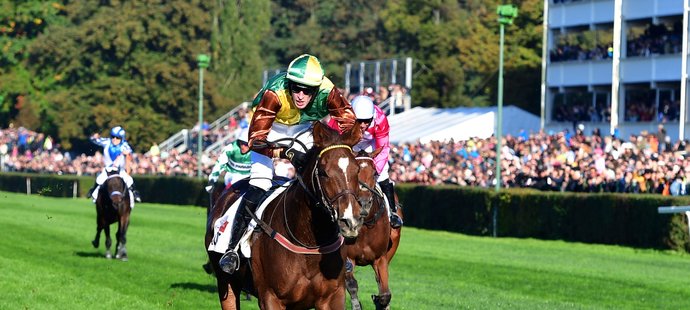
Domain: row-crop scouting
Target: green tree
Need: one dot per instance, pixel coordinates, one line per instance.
(239, 27)
(130, 63)
(21, 22)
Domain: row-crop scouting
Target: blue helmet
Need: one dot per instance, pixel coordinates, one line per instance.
(118, 131)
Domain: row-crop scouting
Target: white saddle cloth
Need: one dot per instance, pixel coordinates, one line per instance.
(223, 225)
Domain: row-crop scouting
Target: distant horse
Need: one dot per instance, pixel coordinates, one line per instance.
(113, 205)
(377, 241)
(296, 262)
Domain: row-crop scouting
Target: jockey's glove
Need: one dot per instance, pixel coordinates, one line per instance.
(297, 158)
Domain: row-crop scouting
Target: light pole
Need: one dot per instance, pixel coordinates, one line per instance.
(506, 13)
(203, 60)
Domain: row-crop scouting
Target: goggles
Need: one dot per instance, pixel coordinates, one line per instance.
(307, 90)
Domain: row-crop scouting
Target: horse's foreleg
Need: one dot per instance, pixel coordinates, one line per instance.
(122, 237)
(351, 285)
(334, 301)
(97, 239)
(271, 302)
(108, 242)
(382, 301)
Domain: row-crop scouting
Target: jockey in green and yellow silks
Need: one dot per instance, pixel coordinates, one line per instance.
(285, 107)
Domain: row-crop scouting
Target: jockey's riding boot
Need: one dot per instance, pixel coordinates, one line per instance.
(135, 192)
(231, 260)
(389, 191)
(93, 188)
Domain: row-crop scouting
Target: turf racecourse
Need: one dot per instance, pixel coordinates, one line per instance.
(47, 262)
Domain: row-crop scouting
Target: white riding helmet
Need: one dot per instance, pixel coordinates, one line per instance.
(243, 135)
(363, 107)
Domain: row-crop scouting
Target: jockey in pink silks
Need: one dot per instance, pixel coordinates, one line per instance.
(375, 132)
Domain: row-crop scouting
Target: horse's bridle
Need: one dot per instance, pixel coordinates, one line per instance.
(322, 200)
(325, 201)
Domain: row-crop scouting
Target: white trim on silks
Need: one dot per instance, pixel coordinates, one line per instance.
(220, 240)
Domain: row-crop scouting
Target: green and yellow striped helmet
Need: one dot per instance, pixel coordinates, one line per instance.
(306, 70)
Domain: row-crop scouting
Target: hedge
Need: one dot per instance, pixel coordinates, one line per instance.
(621, 219)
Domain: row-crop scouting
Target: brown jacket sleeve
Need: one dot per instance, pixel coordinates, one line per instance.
(262, 121)
(340, 110)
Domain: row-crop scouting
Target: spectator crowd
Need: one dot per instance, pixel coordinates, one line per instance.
(563, 161)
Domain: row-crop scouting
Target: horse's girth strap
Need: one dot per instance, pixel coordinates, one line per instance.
(284, 242)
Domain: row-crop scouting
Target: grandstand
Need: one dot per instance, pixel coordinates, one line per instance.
(463, 123)
(615, 64)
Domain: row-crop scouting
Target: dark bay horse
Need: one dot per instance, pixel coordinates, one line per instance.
(113, 205)
(377, 241)
(296, 261)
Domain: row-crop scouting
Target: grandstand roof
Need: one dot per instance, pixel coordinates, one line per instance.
(427, 124)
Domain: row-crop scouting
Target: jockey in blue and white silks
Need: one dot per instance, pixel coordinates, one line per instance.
(116, 154)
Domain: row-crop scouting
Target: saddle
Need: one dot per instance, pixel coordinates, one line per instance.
(223, 225)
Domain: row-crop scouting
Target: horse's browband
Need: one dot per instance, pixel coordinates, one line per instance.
(335, 147)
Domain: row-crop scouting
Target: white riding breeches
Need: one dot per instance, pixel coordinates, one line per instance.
(232, 178)
(104, 176)
(384, 173)
(262, 166)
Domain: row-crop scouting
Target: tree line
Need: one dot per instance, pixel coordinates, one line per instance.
(73, 67)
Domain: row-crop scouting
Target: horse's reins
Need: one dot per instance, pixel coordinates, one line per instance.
(324, 201)
(374, 191)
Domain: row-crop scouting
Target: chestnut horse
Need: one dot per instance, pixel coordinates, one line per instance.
(113, 205)
(377, 241)
(296, 261)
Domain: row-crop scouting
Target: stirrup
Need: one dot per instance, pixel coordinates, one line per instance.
(396, 221)
(229, 262)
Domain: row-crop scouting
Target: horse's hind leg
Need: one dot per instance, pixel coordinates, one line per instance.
(108, 242)
(351, 285)
(382, 301)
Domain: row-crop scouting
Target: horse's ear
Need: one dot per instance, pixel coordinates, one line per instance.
(323, 135)
(352, 136)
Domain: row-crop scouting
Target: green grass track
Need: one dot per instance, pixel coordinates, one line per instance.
(47, 262)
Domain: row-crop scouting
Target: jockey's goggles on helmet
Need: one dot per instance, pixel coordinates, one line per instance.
(366, 121)
(307, 90)
(115, 137)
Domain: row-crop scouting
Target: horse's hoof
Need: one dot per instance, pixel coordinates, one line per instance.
(382, 302)
(124, 258)
(94, 243)
(356, 305)
(108, 255)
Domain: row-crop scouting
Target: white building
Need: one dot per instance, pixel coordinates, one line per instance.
(615, 64)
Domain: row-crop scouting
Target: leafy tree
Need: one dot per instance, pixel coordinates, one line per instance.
(21, 22)
(239, 27)
(130, 63)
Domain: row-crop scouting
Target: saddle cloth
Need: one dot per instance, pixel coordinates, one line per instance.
(222, 227)
(94, 195)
